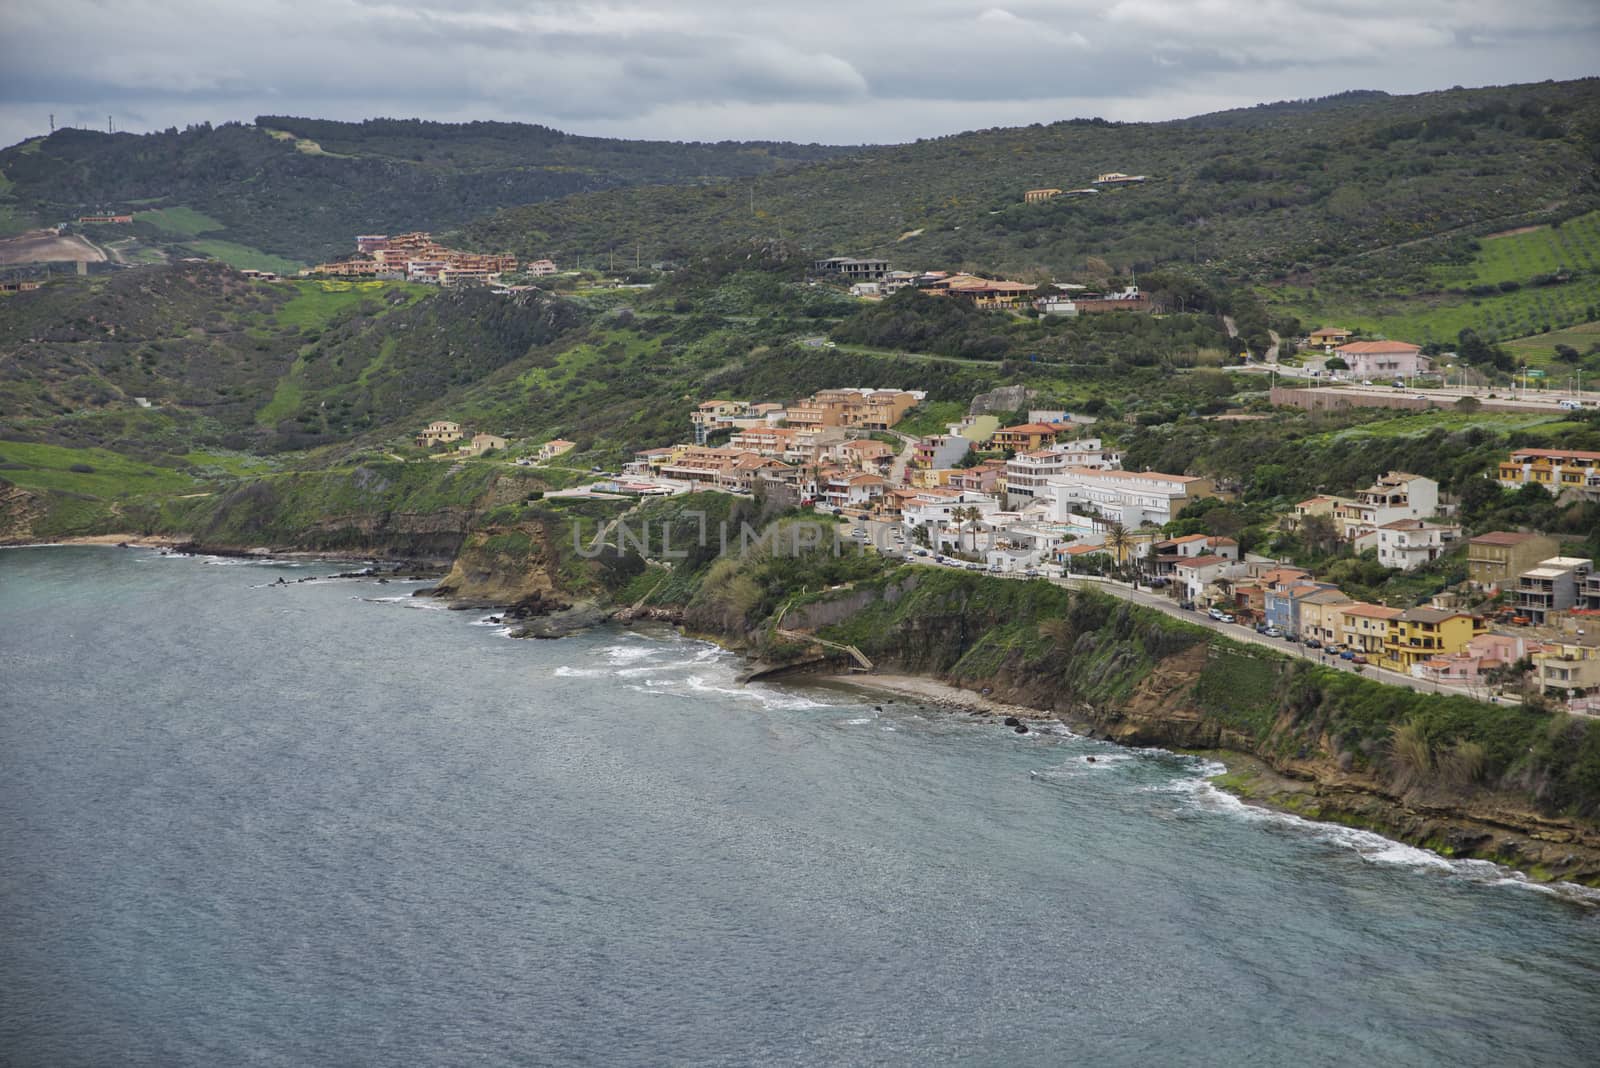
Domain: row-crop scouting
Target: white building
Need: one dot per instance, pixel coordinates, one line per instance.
(1407, 544)
(1028, 473)
(1195, 574)
(1132, 498)
(934, 507)
(1396, 495)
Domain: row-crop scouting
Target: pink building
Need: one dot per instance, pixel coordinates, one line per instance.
(1383, 359)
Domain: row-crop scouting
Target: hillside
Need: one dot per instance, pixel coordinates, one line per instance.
(300, 189)
(1256, 192)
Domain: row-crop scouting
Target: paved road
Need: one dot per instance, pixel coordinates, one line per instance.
(1241, 633)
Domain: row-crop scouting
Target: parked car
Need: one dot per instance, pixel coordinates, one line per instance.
(1295, 638)
(919, 552)
(1358, 659)
(1262, 628)
(1214, 613)
(1187, 606)
(1272, 632)
(1346, 654)
(1313, 643)
(1226, 617)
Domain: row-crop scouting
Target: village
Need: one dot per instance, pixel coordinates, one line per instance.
(417, 257)
(1047, 499)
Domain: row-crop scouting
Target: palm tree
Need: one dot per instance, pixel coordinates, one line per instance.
(968, 514)
(1119, 541)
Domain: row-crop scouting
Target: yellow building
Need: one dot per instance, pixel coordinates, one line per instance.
(1034, 196)
(930, 477)
(1419, 634)
(1554, 469)
(439, 432)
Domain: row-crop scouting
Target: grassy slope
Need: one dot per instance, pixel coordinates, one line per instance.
(1440, 306)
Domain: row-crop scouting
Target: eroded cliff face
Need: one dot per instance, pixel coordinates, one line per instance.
(502, 565)
(1477, 822)
(19, 511)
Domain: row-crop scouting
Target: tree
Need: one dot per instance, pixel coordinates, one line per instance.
(1319, 534)
(1119, 542)
(1336, 363)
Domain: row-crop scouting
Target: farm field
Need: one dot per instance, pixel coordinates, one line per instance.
(1507, 291)
(243, 256)
(179, 221)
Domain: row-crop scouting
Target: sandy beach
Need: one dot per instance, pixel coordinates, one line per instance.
(934, 692)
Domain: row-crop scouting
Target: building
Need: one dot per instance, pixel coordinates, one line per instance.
(1329, 337)
(864, 454)
(1472, 665)
(1282, 602)
(939, 451)
(482, 443)
(1383, 359)
(1554, 469)
(1498, 557)
(865, 289)
(1321, 615)
(1038, 196)
(105, 219)
(1568, 666)
(1364, 628)
(1118, 178)
(439, 432)
(540, 268)
(937, 506)
(1132, 498)
(561, 446)
(1555, 585)
(856, 408)
(1396, 495)
(853, 489)
(1166, 555)
(1408, 544)
(1027, 437)
(852, 269)
(1128, 299)
(983, 292)
(1419, 634)
(1322, 504)
(1194, 575)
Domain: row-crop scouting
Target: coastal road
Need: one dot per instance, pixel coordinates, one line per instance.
(1241, 633)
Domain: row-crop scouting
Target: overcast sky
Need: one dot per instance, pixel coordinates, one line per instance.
(814, 70)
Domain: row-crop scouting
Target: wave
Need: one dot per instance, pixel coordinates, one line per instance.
(1369, 846)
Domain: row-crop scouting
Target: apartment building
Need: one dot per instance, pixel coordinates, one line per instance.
(1419, 634)
(937, 506)
(1383, 359)
(1554, 586)
(1321, 615)
(1554, 469)
(1498, 557)
(1132, 498)
(1364, 627)
(861, 409)
(1408, 544)
(940, 450)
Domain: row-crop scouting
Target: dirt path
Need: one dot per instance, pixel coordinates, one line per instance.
(47, 246)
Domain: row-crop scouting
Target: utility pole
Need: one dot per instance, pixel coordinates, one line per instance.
(52, 122)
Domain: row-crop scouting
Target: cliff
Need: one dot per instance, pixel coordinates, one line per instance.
(1515, 785)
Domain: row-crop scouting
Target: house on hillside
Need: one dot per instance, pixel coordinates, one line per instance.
(439, 432)
(1118, 178)
(482, 443)
(1329, 337)
(560, 446)
(1036, 196)
(852, 269)
(1383, 359)
(1407, 544)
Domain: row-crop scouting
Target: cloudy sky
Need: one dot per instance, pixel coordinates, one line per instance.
(813, 70)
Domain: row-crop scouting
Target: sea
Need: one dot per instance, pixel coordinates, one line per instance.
(245, 822)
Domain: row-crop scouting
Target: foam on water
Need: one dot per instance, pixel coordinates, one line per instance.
(1200, 793)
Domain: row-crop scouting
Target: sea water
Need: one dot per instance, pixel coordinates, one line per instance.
(328, 823)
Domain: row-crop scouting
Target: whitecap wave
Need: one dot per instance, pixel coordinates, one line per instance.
(1369, 846)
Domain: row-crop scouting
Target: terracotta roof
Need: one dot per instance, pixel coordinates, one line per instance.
(1080, 550)
(1204, 561)
(1372, 611)
(1155, 476)
(1501, 537)
(1557, 454)
(1033, 428)
(1360, 347)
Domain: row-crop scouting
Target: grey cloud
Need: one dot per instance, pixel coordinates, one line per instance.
(883, 71)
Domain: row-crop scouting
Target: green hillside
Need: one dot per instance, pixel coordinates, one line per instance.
(300, 189)
(1259, 192)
